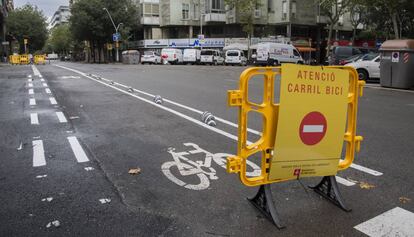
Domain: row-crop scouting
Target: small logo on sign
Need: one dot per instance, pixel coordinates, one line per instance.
(296, 172)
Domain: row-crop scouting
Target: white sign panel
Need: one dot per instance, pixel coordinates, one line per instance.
(395, 57)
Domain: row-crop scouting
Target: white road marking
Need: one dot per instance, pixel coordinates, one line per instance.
(395, 222)
(48, 91)
(42, 80)
(77, 150)
(30, 84)
(55, 223)
(29, 76)
(41, 176)
(105, 200)
(29, 80)
(34, 119)
(231, 136)
(35, 71)
(31, 92)
(344, 181)
(366, 170)
(387, 89)
(48, 199)
(32, 101)
(313, 128)
(44, 84)
(38, 153)
(89, 168)
(53, 101)
(61, 117)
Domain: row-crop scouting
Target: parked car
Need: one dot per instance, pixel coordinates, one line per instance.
(235, 56)
(172, 55)
(276, 53)
(150, 57)
(368, 67)
(211, 56)
(351, 59)
(339, 53)
(191, 56)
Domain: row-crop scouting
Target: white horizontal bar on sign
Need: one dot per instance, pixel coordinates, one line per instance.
(38, 153)
(34, 119)
(77, 149)
(313, 128)
(53, 101)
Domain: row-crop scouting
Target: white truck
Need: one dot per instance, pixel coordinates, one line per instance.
(276, 54)
(211, 56)
(172, 55)
(191, 56)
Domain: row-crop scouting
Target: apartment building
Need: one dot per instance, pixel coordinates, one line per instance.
(61, 16)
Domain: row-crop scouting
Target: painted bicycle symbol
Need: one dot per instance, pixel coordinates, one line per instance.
(198, 173)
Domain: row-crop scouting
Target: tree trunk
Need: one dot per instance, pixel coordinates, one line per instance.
(328, 50)
(353, 35)
(249, 51)
(395, 25)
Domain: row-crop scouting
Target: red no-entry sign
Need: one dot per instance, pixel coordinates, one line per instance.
(312, 128)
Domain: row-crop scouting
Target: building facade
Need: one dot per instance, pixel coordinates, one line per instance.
(61, 16)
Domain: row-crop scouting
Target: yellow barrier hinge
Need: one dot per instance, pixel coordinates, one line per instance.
(361, 85)
(234, 164)
(358, 140)
(234, 98)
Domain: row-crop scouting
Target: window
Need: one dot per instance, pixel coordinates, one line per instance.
(151, 9)
(284, 10)
(296, 53)
(185, 11)
(271, 6)
(217, 5)
(293, 9)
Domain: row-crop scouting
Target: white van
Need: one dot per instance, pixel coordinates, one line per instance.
(276, 53)
(172, 55)
(235, 56)
(211, 56)
(191, 56)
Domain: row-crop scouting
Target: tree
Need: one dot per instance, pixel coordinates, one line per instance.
(246, 10)
(89, 22)
(333, 9)
(29, 23)
(357, 10)
(61, 39)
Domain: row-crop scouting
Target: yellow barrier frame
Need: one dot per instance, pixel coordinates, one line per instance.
(24, 59)
(40, 59)
(14, 59)
(269, 110)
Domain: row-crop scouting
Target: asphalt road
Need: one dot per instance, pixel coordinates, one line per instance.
(108, 131)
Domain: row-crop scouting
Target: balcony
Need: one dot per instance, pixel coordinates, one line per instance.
(150, 20)
(215, 17)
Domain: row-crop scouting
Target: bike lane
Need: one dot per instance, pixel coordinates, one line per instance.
(123, 133)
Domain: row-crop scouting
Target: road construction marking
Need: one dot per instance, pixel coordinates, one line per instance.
(44, 84)
(34, 119)
(35, 71)
(77, 149)
(42, 80)
(344, 181)
(38, 153)
(30, 84)
(48, 91)
(313, 128)
(214, 129)
(32, 101)
(31, 92)
(52, 101)
(395, 222)
(61, 117)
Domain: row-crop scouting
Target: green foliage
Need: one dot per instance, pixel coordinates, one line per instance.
(28, 22)
(90, 22)
(60, 39)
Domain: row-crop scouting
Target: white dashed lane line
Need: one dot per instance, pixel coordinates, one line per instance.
(78, 150)
(38, 153)
(30, 84)
(31, 92)
(47, 90)
(32, 101)
(52, 101)
(44, 84)
(34, 119)
(61, 117)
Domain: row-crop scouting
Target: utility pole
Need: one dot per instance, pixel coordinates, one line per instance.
(116, 38)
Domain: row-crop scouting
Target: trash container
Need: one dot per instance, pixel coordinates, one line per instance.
(397, 64)
(130, 57)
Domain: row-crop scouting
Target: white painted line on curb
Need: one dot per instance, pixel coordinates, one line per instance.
(52, 101)
(395, 222)
(34, 119)
(30, 84)
(77, 150)
(44, 84)
(48, 91)
(38, 153)
(61, 117)
(32, 101)
(344, 181)
(31, 92)
(229, 135)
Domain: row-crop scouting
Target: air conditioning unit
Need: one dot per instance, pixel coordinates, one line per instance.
(257, 13)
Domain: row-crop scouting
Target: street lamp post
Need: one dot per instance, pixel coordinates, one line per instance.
(116, 32)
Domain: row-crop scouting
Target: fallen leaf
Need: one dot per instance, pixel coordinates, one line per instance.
(364, 185)
(134, 171)
(404, 199)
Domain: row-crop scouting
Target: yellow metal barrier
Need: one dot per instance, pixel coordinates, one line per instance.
(24, 59)
(270, 113)
(40, 59)
(14, 59)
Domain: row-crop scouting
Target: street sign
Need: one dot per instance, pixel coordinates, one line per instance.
(26, 41)
(5, 43)
(116, 37)
(395, 58)
(200, 37)
(311, 122)
(109, 46)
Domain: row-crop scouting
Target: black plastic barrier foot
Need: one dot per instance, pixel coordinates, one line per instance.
(328, 188)
(264, 202)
